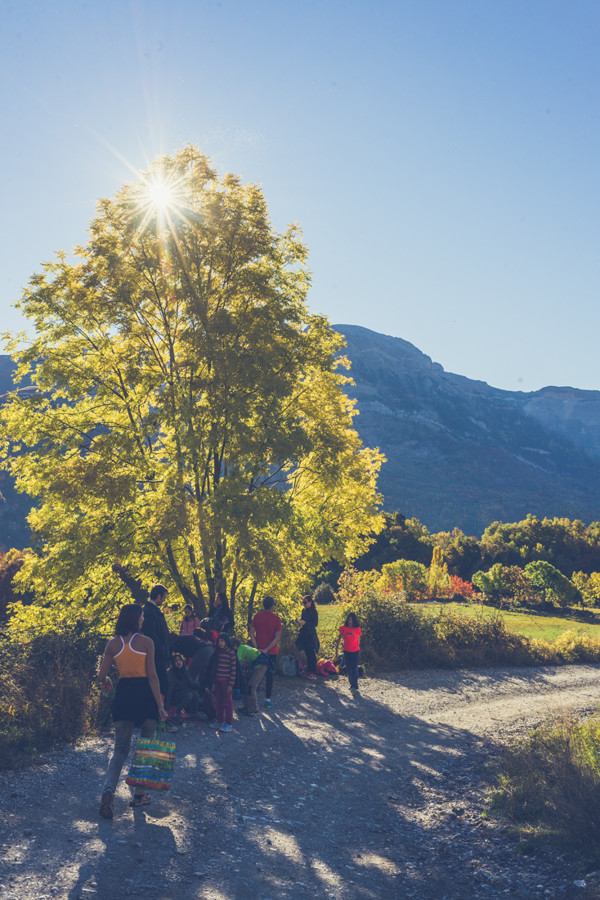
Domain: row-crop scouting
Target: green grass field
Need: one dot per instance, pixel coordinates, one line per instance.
(532, 625)
(328, 614)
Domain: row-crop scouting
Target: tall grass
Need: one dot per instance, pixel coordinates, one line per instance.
(549, 786)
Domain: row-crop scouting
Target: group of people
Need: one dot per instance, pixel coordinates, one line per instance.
(197, 674)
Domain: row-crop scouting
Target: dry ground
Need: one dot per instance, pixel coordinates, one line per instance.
(322, 796)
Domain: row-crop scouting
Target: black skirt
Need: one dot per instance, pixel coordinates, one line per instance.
(134, 701)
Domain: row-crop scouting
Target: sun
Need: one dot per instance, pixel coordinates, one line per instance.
(161, 195)
(161, 199)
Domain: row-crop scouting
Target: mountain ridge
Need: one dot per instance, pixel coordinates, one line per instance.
(459, 451)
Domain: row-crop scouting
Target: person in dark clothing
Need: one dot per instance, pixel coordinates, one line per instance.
(308, 639)
(220, 617)
(198, 669)
(183, 692)
(155, 627)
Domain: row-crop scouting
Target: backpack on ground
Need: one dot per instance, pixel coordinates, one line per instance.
(288, 665)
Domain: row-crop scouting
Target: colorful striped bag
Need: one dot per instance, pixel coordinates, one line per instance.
(153, 762)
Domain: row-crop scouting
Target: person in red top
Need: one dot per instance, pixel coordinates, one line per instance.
(350, 632)
(265, 633)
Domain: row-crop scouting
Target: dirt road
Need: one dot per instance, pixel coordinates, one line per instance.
(322, 796)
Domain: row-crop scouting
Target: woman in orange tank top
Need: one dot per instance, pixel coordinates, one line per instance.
(137, 699)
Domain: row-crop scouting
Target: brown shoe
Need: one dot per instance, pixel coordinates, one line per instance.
(106, 805)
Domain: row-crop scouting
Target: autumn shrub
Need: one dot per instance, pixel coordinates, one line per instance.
(459, 588)
(549, 784)
(46, 690)
(404, 577)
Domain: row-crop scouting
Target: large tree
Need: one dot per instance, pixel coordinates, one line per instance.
(189, 418)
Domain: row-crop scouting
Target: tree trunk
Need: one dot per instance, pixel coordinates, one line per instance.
(139, 593)
(251, 603)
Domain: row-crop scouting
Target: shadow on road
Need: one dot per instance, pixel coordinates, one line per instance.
(320, 796)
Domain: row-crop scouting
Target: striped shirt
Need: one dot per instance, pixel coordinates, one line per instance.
(225, 669)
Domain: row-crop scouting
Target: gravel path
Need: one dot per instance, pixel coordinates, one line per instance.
(321, 796)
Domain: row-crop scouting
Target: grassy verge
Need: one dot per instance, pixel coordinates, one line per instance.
(404, 635)
(549, 787)
(542, 626)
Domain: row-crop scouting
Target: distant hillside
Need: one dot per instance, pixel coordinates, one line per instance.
(463, 453)
(459, 451)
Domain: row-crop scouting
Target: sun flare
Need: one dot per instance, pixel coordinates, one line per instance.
(161, 199)
(160, 194)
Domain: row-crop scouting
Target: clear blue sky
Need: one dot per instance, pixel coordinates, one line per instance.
(441, 157)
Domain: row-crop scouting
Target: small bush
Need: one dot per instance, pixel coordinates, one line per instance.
(46, 691)
(550, 784)
(323, 594)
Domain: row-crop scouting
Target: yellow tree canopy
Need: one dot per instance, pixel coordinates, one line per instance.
(189, 416)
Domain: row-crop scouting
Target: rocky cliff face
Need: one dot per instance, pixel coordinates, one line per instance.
(463, 453)
(459, 451)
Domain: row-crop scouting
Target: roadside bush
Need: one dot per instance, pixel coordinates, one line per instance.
(568, 648)
(47, 694)
(397, 634)
(549, 785)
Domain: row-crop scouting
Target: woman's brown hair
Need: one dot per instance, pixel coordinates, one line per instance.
(129, 619)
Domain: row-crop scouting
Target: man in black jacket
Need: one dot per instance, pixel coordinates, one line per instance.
(155, 627)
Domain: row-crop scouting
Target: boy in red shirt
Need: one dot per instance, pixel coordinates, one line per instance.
(350, 632)
(265, 633)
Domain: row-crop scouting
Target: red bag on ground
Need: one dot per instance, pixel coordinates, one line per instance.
(326, 668)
